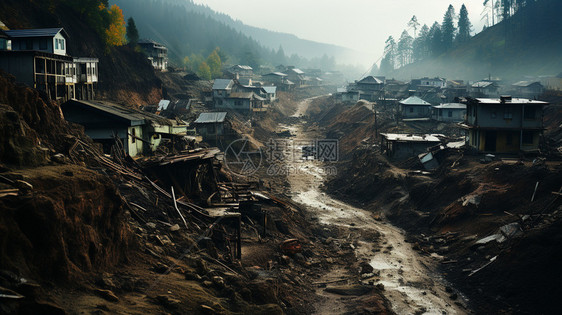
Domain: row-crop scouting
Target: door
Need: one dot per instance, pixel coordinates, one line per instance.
(490, 144)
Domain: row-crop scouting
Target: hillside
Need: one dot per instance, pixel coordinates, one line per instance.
(188, 28)
(526, 44)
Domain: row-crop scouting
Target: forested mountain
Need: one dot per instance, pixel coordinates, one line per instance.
(526, 42)
(188, 28)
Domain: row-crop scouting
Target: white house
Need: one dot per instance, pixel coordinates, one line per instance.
(50, 40)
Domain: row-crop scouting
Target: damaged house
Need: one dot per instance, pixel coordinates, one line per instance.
(140, 132)
(38, 58)
(213, 126)
(229, 94)
(156, 53)
(504, 125)
(405, 146)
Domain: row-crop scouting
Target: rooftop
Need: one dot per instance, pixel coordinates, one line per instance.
(222, 84)
(411, 137)
(451, 106)
(36, 32)
(414, 100)
(212, 117)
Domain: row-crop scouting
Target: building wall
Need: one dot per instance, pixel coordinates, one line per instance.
(21, 66)
(416, 111)
(507, 116)
(406, 150)
(230, 103)
(135, 146)
(442, 114)
(506, 141)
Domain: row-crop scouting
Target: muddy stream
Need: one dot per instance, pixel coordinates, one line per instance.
(410, 280)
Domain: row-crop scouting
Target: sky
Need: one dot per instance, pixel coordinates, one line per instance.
(362, 25)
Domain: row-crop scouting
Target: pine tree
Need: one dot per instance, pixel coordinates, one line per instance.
(404, 49)
(414, 24)
(132, 32)
(420, 47)
(448, 28)
(464, 26)
(435, 40)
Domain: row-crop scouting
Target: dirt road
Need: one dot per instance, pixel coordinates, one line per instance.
(410, 281)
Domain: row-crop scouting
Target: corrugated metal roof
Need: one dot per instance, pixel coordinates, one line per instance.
(36, 32)
(411, 137)
(482, 84)
(130, 114)
(451, 106)
(242, 67)
(497, 101)
(213, 117)
(222, 84)
(370, 80)
(414, 100)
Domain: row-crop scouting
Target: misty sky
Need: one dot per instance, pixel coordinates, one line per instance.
(362, 25)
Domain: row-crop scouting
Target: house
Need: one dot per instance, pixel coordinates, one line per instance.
(504, 125)
(141, 132)
(426, 82)
(49, 40)
(87, 72)
(229, 94)
(552, 82)
(527, 89)
(213, 126)
(270, 93)
(484, 89)
(370, 88)
(404, 146)
(415, 107)
(449, 112)
(5, 42)
(276, 78)
(296, 76)
(38, 58)
(240, 71)
(454, 89)
(342, 95)
(156, 53)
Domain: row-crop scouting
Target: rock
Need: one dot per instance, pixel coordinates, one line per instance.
(349, 289)
(107, 295)
(174, 227)
(365, 267)
(454, 296)
(151, 225)
(59, 158)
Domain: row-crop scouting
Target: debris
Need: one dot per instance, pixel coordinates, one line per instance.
(291, 246)
(485, 265)
(534, 192)
(174, 227)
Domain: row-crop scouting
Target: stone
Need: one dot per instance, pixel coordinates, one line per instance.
(174, 227)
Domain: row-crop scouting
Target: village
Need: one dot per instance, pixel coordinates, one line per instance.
(437, 157)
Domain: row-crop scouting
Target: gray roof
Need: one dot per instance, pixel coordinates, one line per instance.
(222, 84)
(270, 89)
(213, 117)
(451, 106)
(482, 84)
(36, 32)
(497, 101)
(414, 100)
(279, 74)
(135, 116)
(411, 137)
(525, 83)
(370, 80)
(242, 67)
(296, 70)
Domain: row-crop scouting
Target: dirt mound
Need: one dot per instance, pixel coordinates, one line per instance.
(68, 223)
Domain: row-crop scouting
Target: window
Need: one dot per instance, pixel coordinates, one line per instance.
(529, 112)
(56, 43)
(450, 114)
(62, 44)
(527, 137)
(411, 109)
(238, 102)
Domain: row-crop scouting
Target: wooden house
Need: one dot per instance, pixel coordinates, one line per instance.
(404, 146)
(527, 89)
(213, 126)
(140, 132)
(484, 89)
